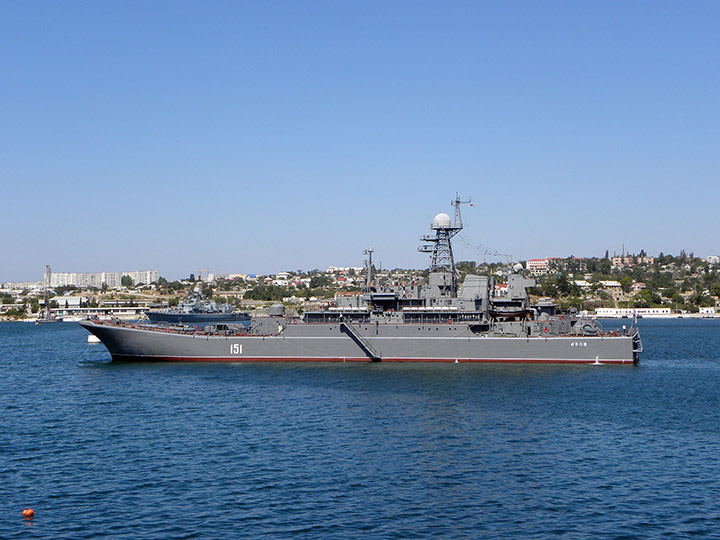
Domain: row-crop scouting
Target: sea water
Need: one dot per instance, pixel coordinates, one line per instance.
(148, 451)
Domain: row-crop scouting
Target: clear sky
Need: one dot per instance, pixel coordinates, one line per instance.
(266, 136)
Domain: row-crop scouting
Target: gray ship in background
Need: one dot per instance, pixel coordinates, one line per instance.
(436, 321)
(198, 311)
(45, 314)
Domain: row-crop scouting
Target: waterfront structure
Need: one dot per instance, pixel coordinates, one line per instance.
(629, 313)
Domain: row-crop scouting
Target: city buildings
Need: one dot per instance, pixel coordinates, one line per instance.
(538, 267)
(630, 260)
(112, 280)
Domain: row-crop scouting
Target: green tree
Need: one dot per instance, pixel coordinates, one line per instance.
(206, 290)
(267, 292)
(17, 313)
(647, 298)
(126, 281)
(467, 267)
(715, 288)
(566, 288)
(702, 300)
(319, 281)
(625, 283)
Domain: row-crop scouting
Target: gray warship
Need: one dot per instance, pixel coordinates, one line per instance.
(435, 321)
(45, 314)
(198, 311)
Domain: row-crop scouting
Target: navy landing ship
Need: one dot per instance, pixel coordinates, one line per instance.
(437, 321)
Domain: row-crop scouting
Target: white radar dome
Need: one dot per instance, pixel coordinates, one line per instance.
(441, 221)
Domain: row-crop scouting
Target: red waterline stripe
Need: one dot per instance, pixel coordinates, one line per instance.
(364, 359)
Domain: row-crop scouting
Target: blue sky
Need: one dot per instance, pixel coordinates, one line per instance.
(267, 136)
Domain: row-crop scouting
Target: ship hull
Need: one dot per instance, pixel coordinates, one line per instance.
(332, 343)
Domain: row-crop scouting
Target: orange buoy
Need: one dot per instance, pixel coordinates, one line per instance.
(28, 512)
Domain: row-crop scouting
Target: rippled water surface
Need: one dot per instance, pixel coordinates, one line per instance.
(153, 451)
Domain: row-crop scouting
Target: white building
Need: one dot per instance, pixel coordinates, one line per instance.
(21, 285)
(68, 301)
(345, 269)
(614, 313)
(143, 276)
(538, 267)
(111, 279)
(67, 279)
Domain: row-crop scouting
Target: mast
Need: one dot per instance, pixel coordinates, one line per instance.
(46, 285)
(456, 203)
(368, 262)
(440, 245)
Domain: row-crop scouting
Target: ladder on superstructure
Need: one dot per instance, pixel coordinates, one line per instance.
(361, 341)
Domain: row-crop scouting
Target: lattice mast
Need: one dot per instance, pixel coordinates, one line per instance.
(440, 245)
(47, 279)
(369, 266)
